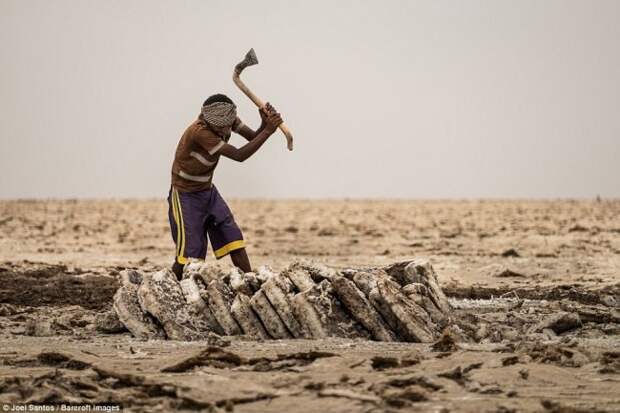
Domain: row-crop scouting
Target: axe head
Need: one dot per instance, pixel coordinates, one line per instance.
(249, 60)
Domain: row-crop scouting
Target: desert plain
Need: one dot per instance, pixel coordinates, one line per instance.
(509, 268)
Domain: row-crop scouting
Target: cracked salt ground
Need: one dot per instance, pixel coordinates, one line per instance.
(504, 351)
(56, 312)
(493, 303)
(399, 302)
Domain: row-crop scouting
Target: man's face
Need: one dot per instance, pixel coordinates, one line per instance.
(222, 131)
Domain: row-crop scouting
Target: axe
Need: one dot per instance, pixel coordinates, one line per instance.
(249, 60)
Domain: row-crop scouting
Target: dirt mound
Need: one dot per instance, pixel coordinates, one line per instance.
(574, 292)
(55, 285)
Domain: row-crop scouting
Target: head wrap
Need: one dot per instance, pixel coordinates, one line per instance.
(220, 114)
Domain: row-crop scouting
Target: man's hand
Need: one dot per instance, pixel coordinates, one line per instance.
(270, 118)
(265, 111)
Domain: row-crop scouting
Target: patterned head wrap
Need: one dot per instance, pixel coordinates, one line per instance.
(220, 114)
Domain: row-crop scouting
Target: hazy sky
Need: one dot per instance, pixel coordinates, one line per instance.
(385, 98)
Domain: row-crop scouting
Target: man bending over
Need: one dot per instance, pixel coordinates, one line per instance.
(196, 210)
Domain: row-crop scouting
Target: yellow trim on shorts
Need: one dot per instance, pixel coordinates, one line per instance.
(182, 249)
(176, 221)
(231, 246)
(178, 215)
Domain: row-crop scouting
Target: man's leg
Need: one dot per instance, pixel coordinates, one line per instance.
(225, 234)
(241, 260)
(177, 269)
(187, 213)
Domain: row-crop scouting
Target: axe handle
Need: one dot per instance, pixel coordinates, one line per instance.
(259, 103)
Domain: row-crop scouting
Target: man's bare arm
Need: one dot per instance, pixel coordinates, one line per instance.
(248, 133)
(271, 123)
(264, 112)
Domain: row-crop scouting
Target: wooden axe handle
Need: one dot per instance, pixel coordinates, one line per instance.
(259, 103)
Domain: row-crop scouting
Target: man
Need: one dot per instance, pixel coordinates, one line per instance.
(196, 209)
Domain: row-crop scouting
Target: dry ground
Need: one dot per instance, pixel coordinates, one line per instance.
(59, 261)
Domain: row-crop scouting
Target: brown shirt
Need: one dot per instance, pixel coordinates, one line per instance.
(197, 156)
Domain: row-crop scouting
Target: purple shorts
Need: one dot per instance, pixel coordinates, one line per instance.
(196, 216)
